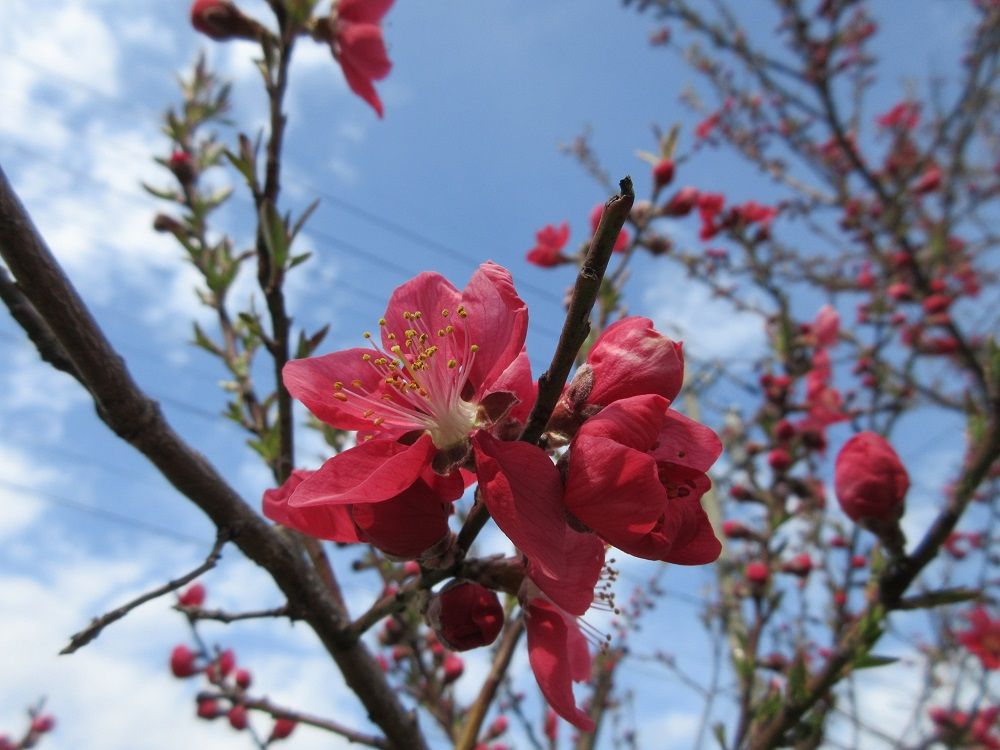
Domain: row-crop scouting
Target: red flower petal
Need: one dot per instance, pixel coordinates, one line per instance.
(684, 442)
(631, 358)
(331, 522)
(311, 381)
(361, 85)
(574, 589)
(635, 422)
(405, 525)
(497, 322)
(362, 45)
(521, 488)
(614, 490)
(516, 380)
(558, 655)
(363, 11)
(429, 294)
(372, 472)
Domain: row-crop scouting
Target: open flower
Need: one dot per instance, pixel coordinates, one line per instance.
(549, 242)
(636, 478)
(982, 638)
(448, 364)
(355, 37)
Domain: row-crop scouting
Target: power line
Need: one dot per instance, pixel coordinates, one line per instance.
(107, 515)
(383, 222)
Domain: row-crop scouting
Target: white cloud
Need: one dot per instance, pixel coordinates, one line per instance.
(709, 327)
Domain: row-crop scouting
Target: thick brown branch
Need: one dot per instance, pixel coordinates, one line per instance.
(137, 419)
(85, 636)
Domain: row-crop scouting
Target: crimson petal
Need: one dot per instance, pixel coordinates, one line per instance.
(372, 472)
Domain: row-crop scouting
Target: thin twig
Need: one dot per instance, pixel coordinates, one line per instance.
(219, 615)
(477, 712)
(88, 634)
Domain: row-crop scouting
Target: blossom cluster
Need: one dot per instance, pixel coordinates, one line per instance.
(438, 400)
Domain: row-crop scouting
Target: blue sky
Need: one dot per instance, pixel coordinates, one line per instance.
(465, 166)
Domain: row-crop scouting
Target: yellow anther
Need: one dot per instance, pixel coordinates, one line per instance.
(445, 313)
(423, 337)
(338, 385)
(367, 334)
(461, 312)
(381, 321)
(390, 381)
(381, 361)
(340, 396)
(378, 421)
(474, 348)
(407, 316)
(449, 329)
(391, 336)
(368, 413)
(452, 364)
(356, 383)
(418, 315)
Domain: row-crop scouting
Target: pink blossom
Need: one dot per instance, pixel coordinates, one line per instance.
(905, 116)
(549, 242)
(449, 364)
(982, 638)
(636, 477)
(355, 39)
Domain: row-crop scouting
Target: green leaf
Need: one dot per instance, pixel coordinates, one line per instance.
(203, 341)
(275, 234)
(300, 222)
(167, 195)
(719, 730)
(298, 259)
(869, 661)
(797, 675)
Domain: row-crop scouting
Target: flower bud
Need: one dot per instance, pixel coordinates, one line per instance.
(466, 615)
(182, 662)
(193, 596)
(208, 708)
(632, 358)
(663, 173)
(237, 717)
(283, 728)
(453, 667)
(43, 723)
(757, 573)
(870, 480)
(222, 21)
(243, 678)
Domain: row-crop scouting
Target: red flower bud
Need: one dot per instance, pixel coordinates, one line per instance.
(221, 20)
(283, 728)
(870, 480)
(237, 717)
(859, 561)
(193, 596)
(736, 530)
(220, 668)
(663, 173)
(682, 202)
(208, 708)
(757, 573)
(243, 678)
(498, 727)
(800, 565)
(466, 615)
(779, 459)
(43, 723)
(182, 662)
(453, 667)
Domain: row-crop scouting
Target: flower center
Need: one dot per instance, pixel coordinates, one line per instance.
(421, 378)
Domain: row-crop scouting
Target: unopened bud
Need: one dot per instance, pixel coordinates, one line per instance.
(465, 615)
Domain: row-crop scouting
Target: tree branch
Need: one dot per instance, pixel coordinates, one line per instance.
(136, 418)
(85, 636)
